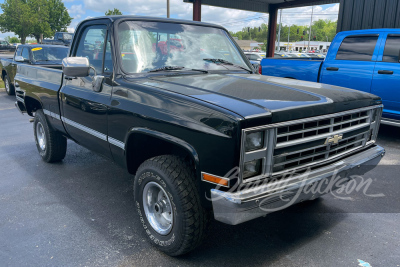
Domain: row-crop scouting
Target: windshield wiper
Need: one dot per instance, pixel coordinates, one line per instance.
(176, 68)
(225, 62)
(167, 68)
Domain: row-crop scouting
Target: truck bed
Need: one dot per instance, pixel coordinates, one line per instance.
(4, 62)
(39, 83)
(300, 69)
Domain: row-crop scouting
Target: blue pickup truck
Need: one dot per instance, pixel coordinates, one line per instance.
(365, 60)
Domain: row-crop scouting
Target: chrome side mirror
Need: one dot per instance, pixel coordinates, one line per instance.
(76, 66)
(19, 59)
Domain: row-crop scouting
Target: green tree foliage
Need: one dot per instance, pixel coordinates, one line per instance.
(17, 17)
(113, 12)
(41, 28)
(12, 40)
(33, 18)
(59, 18)
(320, 29)
(258, 34)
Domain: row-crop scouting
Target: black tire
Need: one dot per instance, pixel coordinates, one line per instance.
(10, 90)
(55, 144)
(190, 220)
(83, 107)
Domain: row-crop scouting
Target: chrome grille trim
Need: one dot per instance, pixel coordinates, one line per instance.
(271, 135)
(322, 136)
(316, 154)
(321, 146)
(331, 159)
(324, 127)
(326, 153)
(329, 116)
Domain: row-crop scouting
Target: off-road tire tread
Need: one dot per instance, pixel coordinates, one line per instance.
(182, 176)
(56, 142)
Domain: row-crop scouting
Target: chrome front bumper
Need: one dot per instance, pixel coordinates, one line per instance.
(253, 202)
(390, 122)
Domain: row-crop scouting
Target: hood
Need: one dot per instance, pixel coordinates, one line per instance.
(251, 96)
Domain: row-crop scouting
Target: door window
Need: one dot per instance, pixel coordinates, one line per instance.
(25, 53)
(392, 49)
(357, 48)
(91, 46)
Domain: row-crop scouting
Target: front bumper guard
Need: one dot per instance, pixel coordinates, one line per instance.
(244, 205)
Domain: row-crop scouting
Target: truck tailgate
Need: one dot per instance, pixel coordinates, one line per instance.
(306, 70)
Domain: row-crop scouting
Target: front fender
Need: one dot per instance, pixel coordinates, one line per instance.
(168, 138)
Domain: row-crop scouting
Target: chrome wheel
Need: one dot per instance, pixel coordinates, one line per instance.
(157, 207)
(7, 84)
(41, 136)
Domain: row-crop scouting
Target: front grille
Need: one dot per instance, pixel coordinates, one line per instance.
(298, 145)
(319, 127)
(319, 153)
(305, 142)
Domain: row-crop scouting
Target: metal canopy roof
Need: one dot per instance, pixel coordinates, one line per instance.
(262, 5)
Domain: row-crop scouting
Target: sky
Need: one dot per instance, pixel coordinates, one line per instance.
(233, 20)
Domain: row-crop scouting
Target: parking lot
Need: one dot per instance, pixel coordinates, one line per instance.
(80, 213)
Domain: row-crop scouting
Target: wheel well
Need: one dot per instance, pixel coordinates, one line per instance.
(141, 147)
(32, 105)
(3, 73)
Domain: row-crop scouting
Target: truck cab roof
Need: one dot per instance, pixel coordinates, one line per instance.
(114, 18)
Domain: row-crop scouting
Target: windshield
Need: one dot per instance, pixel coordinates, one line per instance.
(68, 36)
(49, 53)
(146, 46)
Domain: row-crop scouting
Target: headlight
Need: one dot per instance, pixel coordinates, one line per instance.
(254, 141)
(252, 168)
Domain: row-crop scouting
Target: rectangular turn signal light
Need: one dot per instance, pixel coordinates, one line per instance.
(215, 179)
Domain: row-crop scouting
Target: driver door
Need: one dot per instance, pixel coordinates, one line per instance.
(85, 111)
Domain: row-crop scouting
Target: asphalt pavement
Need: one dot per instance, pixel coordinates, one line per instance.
(80, 212)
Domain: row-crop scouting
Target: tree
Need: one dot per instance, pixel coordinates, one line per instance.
(37, 18)
(322, 29)
(12, 40)
(41, 27)
(113, 12)
(53, 17)
(17, 17)
(59, 18)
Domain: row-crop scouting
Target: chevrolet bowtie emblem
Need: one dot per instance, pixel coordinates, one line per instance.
(334, 139)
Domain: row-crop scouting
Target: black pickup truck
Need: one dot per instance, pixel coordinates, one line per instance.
(49, 55)
(202, 133)
(60, 38)
(6, 46)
